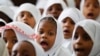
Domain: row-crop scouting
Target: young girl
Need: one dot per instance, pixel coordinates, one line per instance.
(27, 48)
(28, 14)
(90, 9)
(54, 7)
(51, 37)
(6, 14)
(86, 38)
(68, 18)
(3, 49)
(13, 31)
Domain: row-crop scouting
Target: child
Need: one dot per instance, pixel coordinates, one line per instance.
(51, 37)
(54, 7)
(13, 31)
(28, 14)
(27, 48)
(86, 37)
(3, 49)
(6, 14)
(68, 18)
(90, 9)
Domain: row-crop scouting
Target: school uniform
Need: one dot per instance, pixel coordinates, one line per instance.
(92, 29)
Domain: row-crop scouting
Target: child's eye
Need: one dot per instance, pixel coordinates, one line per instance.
(96, 6)
(49, 9)
(64, 21)
(50, 33)
(40, 32)
(86, 37)
(30, 15)
(14, 41)
(72, 23)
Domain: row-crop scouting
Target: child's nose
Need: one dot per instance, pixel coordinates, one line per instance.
(25, 18)
(44, 35)
(78, 40)
(67, 24)
(9, 46)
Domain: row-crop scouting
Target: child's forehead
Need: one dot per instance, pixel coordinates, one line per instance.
(92, 1)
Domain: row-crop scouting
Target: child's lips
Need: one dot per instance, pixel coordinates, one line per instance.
(66, 31)
(79, 51)
(90, 15)
(44, 44)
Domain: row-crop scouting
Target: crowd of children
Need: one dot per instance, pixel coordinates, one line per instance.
(50, 28)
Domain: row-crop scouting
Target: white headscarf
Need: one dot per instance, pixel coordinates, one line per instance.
(82, 5)
(73, 13)
(20, 29)
(6, 3)
(30, 8)
(3, 49)
(92, 28)
(54, 51)
(51, 2)
(8, 11)
(71, 3)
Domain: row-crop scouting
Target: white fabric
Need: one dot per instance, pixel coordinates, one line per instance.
(30, 8)
(6, 3)
(1, 20)
(6, 10)
(51, 2)
(41, 3)
(3, 49)
(73, 13)
(57, 49)
(71, 3)
(81, 9)
(21, 29)
(92, 28)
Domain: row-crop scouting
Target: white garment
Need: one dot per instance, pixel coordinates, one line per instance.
(3, 49)
(71, 3)
(57, 49)
(51, 2)
(21, 30)
(30, 8)
(92, 28)
(6, 3)
(8, 11)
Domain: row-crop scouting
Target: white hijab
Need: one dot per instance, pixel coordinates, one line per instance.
(71, 3)
(92, 28)
(73, 13)
(3, 49)
(20, 29)
(54, 51)
(30, 8)
(51, 2)
(8, 11)
(82, 5)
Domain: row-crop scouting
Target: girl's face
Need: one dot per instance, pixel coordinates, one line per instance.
(91, 9)
(68, 26)
(47, 33)
(82, 42)
(55, 10)
(23, 49)
(10, 39)
(26, 17)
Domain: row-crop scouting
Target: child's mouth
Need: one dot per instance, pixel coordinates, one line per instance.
(90, 15)
(44, 44)
(79, 51)
(66, 31)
